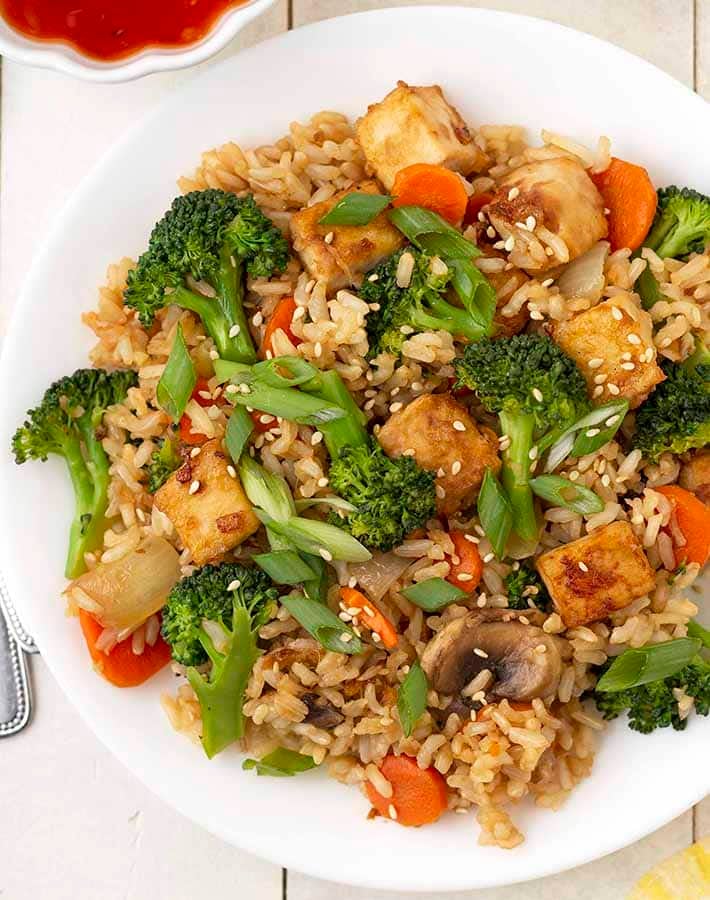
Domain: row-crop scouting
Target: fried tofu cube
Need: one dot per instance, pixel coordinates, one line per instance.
(349, 250)
(207, 506)
(416, 125)
(613, 350)
(443, 438)
(593, 577)
(561, 200)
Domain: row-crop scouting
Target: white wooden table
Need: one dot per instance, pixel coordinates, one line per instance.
(74, 824)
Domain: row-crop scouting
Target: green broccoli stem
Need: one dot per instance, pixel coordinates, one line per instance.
(83, 512)
(97, 464)
(515, 473)
(230, 294)
(349, 431)
(217, 323)
(222, 697)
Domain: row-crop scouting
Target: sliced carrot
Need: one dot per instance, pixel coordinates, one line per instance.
(418, 795)
(432, 187)
(370, 616)
(631, 199)
(122, 666)
(693, 518)
(476, 202)
(465, 574)
(281, 317)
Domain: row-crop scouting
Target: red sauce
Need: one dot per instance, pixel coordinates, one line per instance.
(115, 29)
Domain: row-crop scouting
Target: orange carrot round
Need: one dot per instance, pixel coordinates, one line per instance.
(122, 667)
(476, 202)
(465, 574)
(432, 187)
(631, 199)
(281, 317)
(418, 795)
(370, 616)
(693, 518)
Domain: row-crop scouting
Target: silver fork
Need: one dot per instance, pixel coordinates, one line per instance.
(15, 645)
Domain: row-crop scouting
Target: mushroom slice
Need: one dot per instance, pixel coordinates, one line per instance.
(321, 712)
(526, 661)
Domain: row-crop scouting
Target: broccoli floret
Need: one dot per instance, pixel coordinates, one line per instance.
(67, 423)
(204, 595)
(393, 496)
(676, 417)
(216, 237)
(420, 306)
(524, 585)
(537, 391)
(681, 227)
(163, 462)
(237, 601)
(653, 705)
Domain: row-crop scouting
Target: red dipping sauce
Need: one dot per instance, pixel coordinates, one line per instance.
(115, 29)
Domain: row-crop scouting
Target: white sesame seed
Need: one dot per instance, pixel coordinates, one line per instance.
(298, 313)
(464, 576)
(329, 237)
(232, 389)
(499, 245)
(266, 419)
(214, 354)
(395, 407)
(195, 452)
(490, 231)
(375, 307)
(596, 362)
(245, 389)
(633, 338)
(417, 386)
(481, 653)
(537, 394)
(375, 637)
(573, 475)
(583, 566)
(344, 617)
(524, 620)
(513, 193)
(592, 432)
(504, 443)
(316, 438)
(600, 378)
(206, 395)
(617, 313)
(626, 355)
(471, 539)
(606, 211)
(440, 492)
(547, 282)
(213, 412)
(258, 319)
(481, 602)
(231, 471)
(318, 349)
(326, 554)
(322, 482)
(392, 811)
(530, 223)
(606, 481)
(628, 366)
(234, 331)
(394, 391)
(352, 581)
(489, 557)
(373, 277)
(368, 612)
(345, 637)
(406, 329)
(479, 530)
(541, 648)
(598, 391)
(458, 425)
(234, 585)
(410, 451)
(194, 487)
(509, 243)
(613, 389)
(549, 251)
(532, 453)
(456, 467)
(537, 316)
(479, 696)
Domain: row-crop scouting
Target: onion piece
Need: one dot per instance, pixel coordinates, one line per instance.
(378, 574)
(584, 276)
(128, 591)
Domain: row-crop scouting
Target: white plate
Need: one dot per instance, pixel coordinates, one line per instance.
(496, 68)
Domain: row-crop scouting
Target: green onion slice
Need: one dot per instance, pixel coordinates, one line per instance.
(178, 379)
(563, 492)
(284, 371)
(577, 440)
(698, 633)
(495, 512)
(285, 567)
(266, 490)
(358, 208)
(239, 428)
(653, 663)
(316, 537)
(322, 624)
(335, 502)
(428, 231)
(280, 763)
(475, 292)
(411, 699)
(289, 404)
(433, 594)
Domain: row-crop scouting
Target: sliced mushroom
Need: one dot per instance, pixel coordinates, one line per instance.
(526, 662)
(321, 713)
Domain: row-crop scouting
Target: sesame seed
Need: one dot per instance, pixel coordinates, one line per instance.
(410, 451)
(369, 404)
(464, 576)
(573, 475)
(481, 217)
(606, 211)
(532, 453)
(633, 338)
(458, 425)
(513, 193)
(395, 407)
(598, 391)
(318, 349)
(345, 637)
(600, 378)
(417, 386)
(628, 366)
(195, 452)
(231, 471)
(613, 389)
(258, 319)
(617, 313)
(344, 617)
(541, 648)
(547, 282)
(583, 566)
(481, 653)
(606, 481)
(352, 581)
(244, 389)
(232, 389)
(499, 245)
(392, 811)
(368, 611)
(214, 354)
(440, 492)
(298, 313)
(375, 307)
(481, 602)
(373, 277)
(509, 243)
(524, 620)
(596, 362)
(322, 482)
(537, 316)
(549, 251)
(592, 432)
(489, 557)
(234, 331)
(194, 487)
(354, 611)
(141, 515)
(537, 394)
(456, 467)
(234, 585)
(405, 670)
(471, 539)
(316, 438)
(479, 530)
(490, 232)
(479, 696)
(329, 237)
(530, 223)
(266, 419)
(375, 637)
(626, 355)
(394, 391)
(504, 443)
(326, 554)
(206, 395)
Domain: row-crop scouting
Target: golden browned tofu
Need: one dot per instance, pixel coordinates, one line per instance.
(416, 125)
(591, 578)
(559, 201)
(349, 250)
(695, 475)
(609, 347)
(207, 505)
(442, 437)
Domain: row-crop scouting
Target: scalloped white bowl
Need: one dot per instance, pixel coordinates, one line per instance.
(64, 58)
